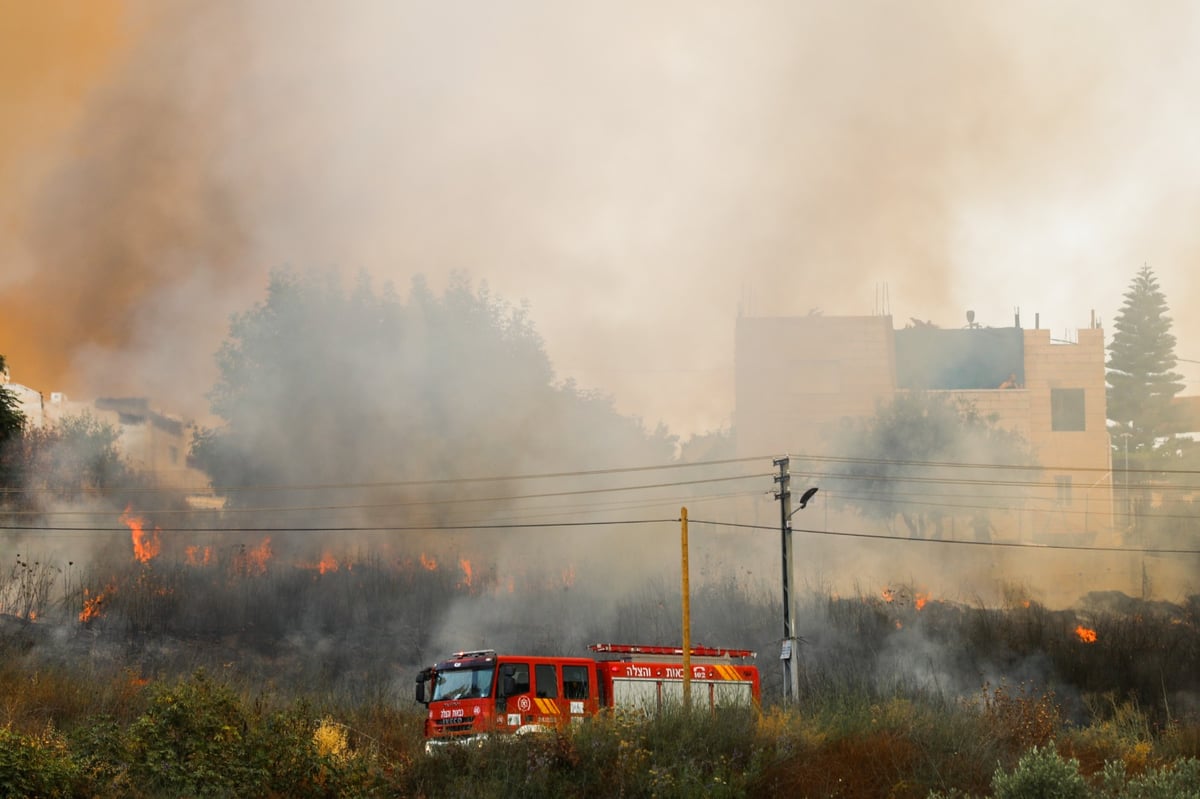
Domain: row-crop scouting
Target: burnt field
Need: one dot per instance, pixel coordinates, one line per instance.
(359, 622)
(150, 669)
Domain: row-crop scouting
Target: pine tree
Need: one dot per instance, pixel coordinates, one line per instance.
(1141, 380)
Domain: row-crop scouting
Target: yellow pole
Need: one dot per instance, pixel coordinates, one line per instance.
(687, 613)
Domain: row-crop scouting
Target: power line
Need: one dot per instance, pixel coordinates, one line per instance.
(1005, 544)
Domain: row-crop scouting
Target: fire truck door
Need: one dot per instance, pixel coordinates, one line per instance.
(514, 695)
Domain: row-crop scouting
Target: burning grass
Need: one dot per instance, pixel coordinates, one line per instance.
(901, 692)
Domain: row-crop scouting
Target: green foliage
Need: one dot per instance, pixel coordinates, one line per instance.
(1180, 780)
(192, 741)
(1041, 774)
(65, 461)
(12, 420)
(1141, 383)
(37, 765)
(907, 439)
(197, 738)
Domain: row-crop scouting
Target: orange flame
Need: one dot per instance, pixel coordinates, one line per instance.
(465, 565)
(328, 563)
(254, 561)
(1086, 635)
(145, 546)
(888, 594)
(920, 600)
(197, 556)
(428, 564)
(93, 605)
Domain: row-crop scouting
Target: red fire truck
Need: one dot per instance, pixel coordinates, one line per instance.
(479, 693)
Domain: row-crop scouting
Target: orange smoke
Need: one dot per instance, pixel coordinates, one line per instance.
(1085, 634)
(145, 546)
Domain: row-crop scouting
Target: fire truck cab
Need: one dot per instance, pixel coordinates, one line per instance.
(473, 694)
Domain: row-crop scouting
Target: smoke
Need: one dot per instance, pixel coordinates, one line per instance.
(636, 174)
(639, 175)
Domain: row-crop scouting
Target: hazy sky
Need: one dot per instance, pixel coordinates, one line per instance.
(637, 172)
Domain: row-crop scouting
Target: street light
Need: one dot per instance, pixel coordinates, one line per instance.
(787, 651)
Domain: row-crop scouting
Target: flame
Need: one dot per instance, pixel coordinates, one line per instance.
(1088, 636)
(197, 556)
(92, 605)
(465, 565)
(145, 546)
(1025, 603)
(920, 600)
(428, 564)
(888, 595)
(33, 615)
(254, 561)
(328, 563)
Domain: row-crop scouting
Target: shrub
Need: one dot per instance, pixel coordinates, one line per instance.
(191, 741)
(1179, 781)
(36, 765)
(1041, 774)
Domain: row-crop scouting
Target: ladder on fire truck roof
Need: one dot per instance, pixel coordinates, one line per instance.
(670, 653)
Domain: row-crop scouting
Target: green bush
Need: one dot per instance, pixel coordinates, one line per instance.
(1178, 781)
(1041, 774)
(36, 765)
(192, 741)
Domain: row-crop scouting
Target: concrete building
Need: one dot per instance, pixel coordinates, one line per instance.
(798, 378)
(150, 440)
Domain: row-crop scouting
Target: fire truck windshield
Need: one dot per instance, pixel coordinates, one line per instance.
(463, 684)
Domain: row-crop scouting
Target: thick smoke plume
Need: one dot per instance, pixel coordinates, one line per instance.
(636, 174)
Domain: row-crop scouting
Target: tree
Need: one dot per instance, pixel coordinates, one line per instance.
(923, 439)
(12, 420)
(1141, 380)
(319, 385)
(12, 424)
(78, 456)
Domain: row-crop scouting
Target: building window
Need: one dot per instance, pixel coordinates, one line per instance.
(1062, 489)
(1066, 409)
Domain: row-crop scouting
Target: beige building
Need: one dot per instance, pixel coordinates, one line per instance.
(798, 378)
(150, 440)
